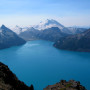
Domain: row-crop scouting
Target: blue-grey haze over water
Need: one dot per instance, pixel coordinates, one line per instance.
(41, 64)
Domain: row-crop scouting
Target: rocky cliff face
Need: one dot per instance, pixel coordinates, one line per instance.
(8, 38)
(8, 80)
(64, 85)
(78, 42)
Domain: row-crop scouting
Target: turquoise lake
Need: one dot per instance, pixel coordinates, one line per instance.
(41, 64)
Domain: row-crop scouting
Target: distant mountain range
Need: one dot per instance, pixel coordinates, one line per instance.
(30, 34)
(51, 34)
(78, 42)
(75, 30)
(49, 24)
(67, 38)
(48, 30)
(8, 38)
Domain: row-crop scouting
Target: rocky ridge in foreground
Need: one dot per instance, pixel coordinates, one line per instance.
(64, 85)
(8, 80)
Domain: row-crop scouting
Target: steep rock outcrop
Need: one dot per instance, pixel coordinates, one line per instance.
(9, 81)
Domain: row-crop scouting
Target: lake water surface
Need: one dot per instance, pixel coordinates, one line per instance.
(41, 64)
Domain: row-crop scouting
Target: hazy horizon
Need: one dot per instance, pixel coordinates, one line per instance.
(30, 12)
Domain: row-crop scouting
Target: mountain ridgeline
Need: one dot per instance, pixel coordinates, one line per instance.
(50, 34)
(8, 38)
(30, 34)
(67, 38)
(50, 30)
(78, 42)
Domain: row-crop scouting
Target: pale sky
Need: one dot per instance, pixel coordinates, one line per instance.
(29, 12)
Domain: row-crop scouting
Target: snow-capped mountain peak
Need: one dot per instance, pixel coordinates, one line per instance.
(48, 24)
(17, 29)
